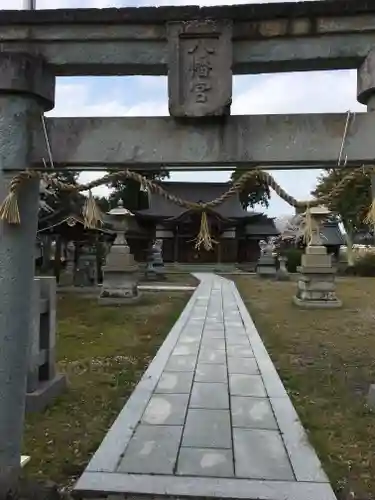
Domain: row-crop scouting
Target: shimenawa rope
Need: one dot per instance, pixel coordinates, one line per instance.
(9, 210)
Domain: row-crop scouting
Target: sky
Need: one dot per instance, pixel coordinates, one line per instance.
(305, 92)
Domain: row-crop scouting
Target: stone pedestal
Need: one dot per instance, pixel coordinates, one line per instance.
(44, 384)
(85, 275)
(282, 273)
(120, 277)
(155, 269)
(266, 266)
(316, 284)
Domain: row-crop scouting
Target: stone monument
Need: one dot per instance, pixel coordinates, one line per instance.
(86, 272)
(70, 262)
(155, 269)
(44, 383)
(316, 283)
(282, 273)
(200, 68)
(266, 266)
(120, 273)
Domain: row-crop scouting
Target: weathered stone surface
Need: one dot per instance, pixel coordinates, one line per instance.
(120, 279)
(181, 363)
(166, 409)
(186, 349)
(212, 343)
(246, 385)
(200, 68)
(208, 396)
(213, 373)
(239, 351)
(268, 442)
(247, 366)
(152, 449)
(267, 37)
(278, 140)
(207, 429)
(208, 355)
(27, 74)
(205, 462)
(252, 413)
(43, 384)
(316, 286)
(366, 78)
(238, 340)
(260, 454)
(175, 382)
(21, 104)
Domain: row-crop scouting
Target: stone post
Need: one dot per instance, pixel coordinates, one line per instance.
(266, 265)
(366, 95)
(70, 262)
(282, 273)
(26, 90)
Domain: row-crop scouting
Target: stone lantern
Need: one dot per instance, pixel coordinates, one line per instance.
(120, 273)
(316, 283)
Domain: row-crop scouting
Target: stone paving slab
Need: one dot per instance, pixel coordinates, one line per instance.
(210, 417)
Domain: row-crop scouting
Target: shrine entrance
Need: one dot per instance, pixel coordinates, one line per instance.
(200, 49)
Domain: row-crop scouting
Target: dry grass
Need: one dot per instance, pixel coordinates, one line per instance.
(326, 359)
(104, 351)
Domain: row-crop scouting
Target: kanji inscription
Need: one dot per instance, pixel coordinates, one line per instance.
(200, 68)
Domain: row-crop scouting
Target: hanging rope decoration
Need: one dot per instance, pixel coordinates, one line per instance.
(9, 210)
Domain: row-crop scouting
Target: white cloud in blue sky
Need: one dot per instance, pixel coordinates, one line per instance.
(313, 92)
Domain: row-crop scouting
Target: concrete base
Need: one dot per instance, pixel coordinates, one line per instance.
(38, 400)
(266, 267)
(266, 272)
(317, 304)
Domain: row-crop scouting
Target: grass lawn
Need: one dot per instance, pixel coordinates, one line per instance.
(104, 351)
(326, 359)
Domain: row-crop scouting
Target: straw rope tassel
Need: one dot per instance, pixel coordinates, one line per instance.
(370, 217)
(204, 237)
(9, 210)
(92, 215)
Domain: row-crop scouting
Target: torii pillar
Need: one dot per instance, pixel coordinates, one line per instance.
(366, 95)
(27, 89)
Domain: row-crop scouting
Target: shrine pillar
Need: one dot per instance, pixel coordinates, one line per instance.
(366, 96)
(26, 91)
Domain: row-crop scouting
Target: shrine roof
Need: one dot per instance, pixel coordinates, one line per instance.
(195, 192)
(160, 15)
(55, 220)
(262, 226)
(332, 234)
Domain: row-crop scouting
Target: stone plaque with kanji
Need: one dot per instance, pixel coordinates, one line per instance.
(200, 68)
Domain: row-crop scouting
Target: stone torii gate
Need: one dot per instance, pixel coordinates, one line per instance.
(200, 49)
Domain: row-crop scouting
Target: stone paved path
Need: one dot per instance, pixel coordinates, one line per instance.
(210, 418)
